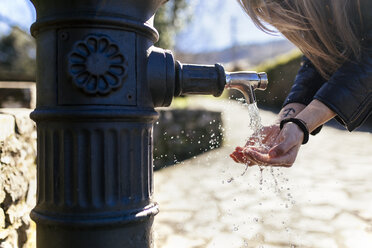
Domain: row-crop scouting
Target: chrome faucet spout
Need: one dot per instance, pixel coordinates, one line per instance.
(247, 82)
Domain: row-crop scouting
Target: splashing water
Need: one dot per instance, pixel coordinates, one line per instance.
(286, 198)
(255, 124)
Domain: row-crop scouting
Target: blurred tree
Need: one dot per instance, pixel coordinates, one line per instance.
(17, 56)
(170, 18)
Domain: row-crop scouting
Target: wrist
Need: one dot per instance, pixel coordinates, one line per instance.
(296, 131)
(290, 111)
(300, 125)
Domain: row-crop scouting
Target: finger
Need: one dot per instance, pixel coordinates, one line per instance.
(282, 161)
(239, 157)
(250, 158)
(252, 141)
(283, 147)
(261, 149)
(233, 157)
(256, 156)
(286, 160)
(245, 160)
(268, 135)
(239, 149)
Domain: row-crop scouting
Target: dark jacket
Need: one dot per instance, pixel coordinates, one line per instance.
(349, 90)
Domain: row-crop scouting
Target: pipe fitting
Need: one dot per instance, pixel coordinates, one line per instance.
(161, 76)
(200, 79)
(168, 78)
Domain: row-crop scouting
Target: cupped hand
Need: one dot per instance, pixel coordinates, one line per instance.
(279, 147)
(261, 141)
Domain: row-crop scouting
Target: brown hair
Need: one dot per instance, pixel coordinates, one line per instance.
(328, 32)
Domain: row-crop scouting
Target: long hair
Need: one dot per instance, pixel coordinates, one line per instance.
(328, 32)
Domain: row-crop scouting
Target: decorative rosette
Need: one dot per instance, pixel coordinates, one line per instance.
(97, 66)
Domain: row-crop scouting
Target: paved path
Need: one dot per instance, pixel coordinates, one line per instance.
(324, 200)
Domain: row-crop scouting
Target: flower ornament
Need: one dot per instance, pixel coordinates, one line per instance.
(97, 66)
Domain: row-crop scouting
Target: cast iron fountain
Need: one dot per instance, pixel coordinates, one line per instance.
(99, 78)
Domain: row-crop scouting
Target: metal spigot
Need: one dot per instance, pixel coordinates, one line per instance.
(247, 82)
(168, 78)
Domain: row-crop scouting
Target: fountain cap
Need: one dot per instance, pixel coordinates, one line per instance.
(264, 81)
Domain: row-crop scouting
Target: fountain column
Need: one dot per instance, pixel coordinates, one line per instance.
(94, 120)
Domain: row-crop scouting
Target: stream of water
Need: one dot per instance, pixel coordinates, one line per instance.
(256, 126)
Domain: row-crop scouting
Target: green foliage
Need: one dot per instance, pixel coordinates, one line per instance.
(169, 19)
(281, 72)
(17, 56)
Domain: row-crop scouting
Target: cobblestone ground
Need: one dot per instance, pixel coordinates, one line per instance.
(324, 200)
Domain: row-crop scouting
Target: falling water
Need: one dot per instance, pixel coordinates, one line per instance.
(255, 124)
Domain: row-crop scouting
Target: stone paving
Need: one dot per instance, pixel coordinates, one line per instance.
(323, 201)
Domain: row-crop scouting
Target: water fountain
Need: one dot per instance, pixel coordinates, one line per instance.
(99, 78)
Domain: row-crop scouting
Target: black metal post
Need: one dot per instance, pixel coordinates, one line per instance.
(99, 78)
(94, 119)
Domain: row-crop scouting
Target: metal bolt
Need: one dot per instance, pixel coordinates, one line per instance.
(64, 36)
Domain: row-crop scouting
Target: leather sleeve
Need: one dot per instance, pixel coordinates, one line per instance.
(307, 82)
(349, 92)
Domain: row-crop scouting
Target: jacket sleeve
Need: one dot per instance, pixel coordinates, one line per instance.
(307, 82)
(349, 92)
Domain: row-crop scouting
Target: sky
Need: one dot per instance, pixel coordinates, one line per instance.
(215, 24)
(19, 12)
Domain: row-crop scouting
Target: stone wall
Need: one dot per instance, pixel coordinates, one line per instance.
(180, 134)
(17, 178)
(17, 95)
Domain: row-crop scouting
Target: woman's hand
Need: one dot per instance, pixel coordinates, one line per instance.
(277, 147)
(280, 147)
(284, 151)
(261, 141)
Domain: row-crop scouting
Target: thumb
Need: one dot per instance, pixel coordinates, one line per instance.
(289, 137)
(282, 148)
(278, 150)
